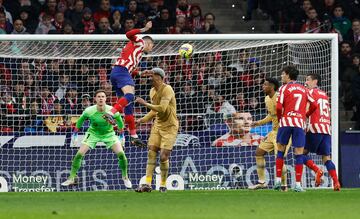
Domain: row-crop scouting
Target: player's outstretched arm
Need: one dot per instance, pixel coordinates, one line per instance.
(265, 120)
(149, 116)
(119, 121)
(131, 35)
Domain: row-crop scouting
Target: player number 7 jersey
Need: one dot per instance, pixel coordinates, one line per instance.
(292, 101)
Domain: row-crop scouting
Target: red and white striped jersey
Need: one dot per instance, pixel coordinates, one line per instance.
(320, 121)
(291, 105)
(131, 54)
(231, 140)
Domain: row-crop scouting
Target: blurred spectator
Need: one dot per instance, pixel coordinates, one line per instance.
(115, 21)
(187, 99)
(7, 14)
(183, 9)
(63, 84)
(58, 22)
(45, 25)
(220, 105)
(53, 73)
(5, 75)
(241, 61)
(85, 102)
(68, 28)
(353, 35)
(131, 10)
(340, 22)
(163, 23)
(312, 23)
(87, 24)
(239, 125)
(344, 58)
(356, 97)
(129, 24)
(29, 20)
(47, 101)
(180, 24)
(75, 15)
(140, 19)
(70, 103)
(5, 24)
(347, 79)
(92, 84)
(153, 10)
(103, 12)
(49, 9)
(56, 122)
(7, 102)
(239, 102)
(21, 101)
(19, 27)
(209, 26)
(196, 21)
(30, 86)
(103, 27)
(34, 122)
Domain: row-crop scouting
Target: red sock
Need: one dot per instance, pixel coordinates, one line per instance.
(333, 175)
(312, 165)
(120, 105)
(279, 166)
(298, 171)
(130, 120)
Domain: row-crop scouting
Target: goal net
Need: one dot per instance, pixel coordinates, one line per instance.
(47, 81)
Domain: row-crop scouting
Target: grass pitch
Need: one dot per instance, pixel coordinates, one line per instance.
(182, 204)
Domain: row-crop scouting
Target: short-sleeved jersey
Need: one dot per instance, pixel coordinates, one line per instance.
(98, 125)
(293, 98)
(270, 103)
(320, 121)
(169, 117)
(131, 54)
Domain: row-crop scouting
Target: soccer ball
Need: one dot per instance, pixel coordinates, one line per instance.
(186, 50)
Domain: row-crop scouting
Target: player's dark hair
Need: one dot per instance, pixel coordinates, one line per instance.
(148, 38)
(99, 91)
(291, 71)
(274, 82)
(315, 76)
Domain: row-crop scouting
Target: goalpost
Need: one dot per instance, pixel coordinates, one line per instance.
(47, 80)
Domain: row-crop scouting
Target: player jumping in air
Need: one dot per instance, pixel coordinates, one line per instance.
(318, 136)
(268, 145)
(164, 129)
(99, 131)
(122, 82)
(291, 112)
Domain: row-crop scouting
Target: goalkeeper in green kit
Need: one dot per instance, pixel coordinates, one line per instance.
(99, 131)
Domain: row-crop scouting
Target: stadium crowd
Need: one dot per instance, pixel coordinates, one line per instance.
(51, 91)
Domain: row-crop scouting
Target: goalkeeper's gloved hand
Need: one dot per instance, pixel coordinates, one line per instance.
(121, 137)
(74, 138)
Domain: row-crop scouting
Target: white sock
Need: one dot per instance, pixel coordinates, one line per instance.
(278, 179)
(135, 136)
(298, 184)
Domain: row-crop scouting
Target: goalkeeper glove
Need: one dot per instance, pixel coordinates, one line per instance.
(122, 137)
(74, 137)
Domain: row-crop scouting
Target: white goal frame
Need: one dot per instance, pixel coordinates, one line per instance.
(334, 58)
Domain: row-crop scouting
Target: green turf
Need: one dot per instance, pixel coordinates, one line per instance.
(312, 204)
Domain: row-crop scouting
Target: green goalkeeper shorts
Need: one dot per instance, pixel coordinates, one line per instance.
(92, 139)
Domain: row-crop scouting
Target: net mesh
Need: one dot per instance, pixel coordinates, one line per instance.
(45, 86)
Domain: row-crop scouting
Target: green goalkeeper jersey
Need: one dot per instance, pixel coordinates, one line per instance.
(98, 125)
